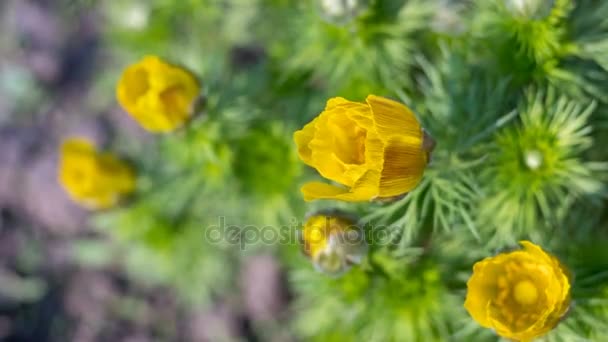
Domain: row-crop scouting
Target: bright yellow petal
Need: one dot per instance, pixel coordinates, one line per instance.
(179, 96)
(77, 145)
(404, 164)
(348, 139)
(358, 112)
(368, 185)
(334, 102)
(561, 272)
(481, 289)
(535, 250)
(323, 156)
(330, 166)
(317, 190)
(119, 177)
(558, 290)
(368, 175)
(302, 139)
(133, 84)
(372, 146)
(77, 166)
(176, 103)
(393, 118)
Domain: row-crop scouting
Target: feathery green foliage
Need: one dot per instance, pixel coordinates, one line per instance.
(536, 171)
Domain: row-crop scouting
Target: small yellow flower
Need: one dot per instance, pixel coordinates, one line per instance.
(159, 96)
(333, 242)
(522, 294)
(92, 179)
(375, 149)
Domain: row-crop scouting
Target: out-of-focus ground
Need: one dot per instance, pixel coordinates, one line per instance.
(50, 52)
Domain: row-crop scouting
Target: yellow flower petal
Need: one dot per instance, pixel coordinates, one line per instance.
(330, 166)
(372, 146)
(348, 140)
(482, 286)
(404, 164)
(75, 146)
(323, 146)
(123, 178)
(364, 190)
(393, 118)
(318, 190)
(334, 102)
(302, 139)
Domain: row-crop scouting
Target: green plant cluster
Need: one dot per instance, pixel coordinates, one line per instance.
(513, 91)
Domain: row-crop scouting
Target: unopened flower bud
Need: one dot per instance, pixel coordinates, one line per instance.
(334, 242)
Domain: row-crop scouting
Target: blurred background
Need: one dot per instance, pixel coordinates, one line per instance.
(59, 60)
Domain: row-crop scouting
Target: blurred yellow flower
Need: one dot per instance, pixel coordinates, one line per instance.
(333, 242)
(375, 149)
(521, 294)
(92, 179)
(159, 96)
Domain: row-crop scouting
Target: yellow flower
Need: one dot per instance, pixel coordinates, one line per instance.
(159, 96)
(92, 179)
(522, 294)
(375, 149)
(333, 242)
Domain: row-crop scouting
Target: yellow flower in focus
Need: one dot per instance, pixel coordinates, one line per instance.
(92, 179)
(375, 149)
(522, 294)
(159, 96)
(333, 242)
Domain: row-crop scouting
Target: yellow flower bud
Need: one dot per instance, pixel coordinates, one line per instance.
(522, 294)
(333, 242)
(159, 96)
(92, 179)
(375, 149)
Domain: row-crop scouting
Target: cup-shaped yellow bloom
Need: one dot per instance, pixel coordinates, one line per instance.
(521, 294)
(159, 96)
(333, 242)
(93, 180)
(375, 149)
